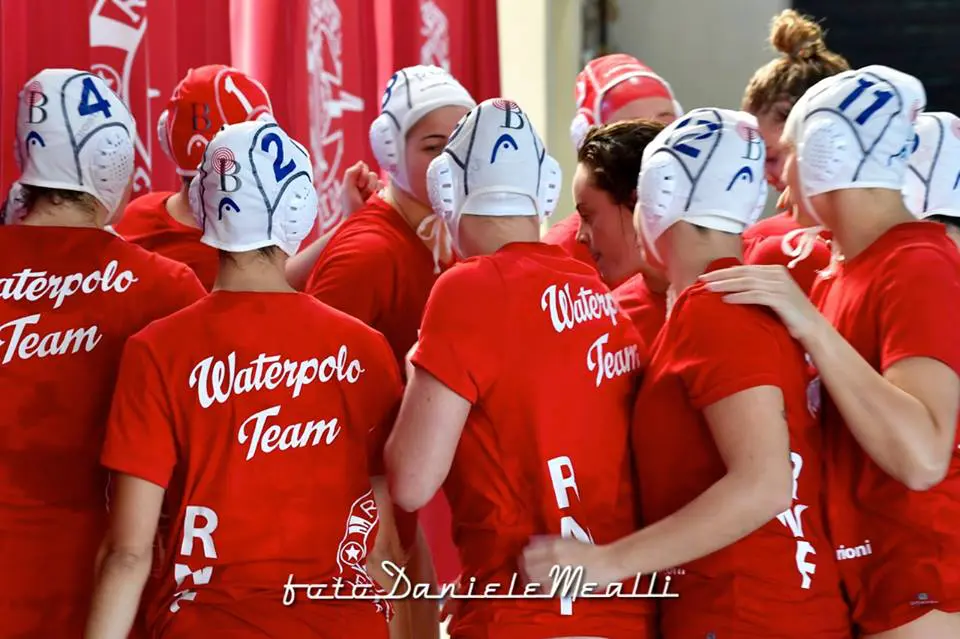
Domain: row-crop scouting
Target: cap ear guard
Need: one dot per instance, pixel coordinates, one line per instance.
(163, 134)
(824, 153)
(657, 197)
(579, 127)
(384, 134)
(551, 183)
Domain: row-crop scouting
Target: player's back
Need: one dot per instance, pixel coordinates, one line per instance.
(69, 299)
(273, 397)
(545, 449)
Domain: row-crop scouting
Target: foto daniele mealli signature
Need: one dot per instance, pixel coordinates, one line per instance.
(566, 582)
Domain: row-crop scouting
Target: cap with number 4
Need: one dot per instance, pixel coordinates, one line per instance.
(205, 100)
(254, 189)
(74, 133)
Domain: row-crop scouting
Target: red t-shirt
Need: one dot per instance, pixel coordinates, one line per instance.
(769, 251)
(258, 413)
(564, 235)
(781, 580)
(647, 310)
(376, 269)
(69, 298)
(899, 549)
(147, 223)
(774, 226)
(534, 340)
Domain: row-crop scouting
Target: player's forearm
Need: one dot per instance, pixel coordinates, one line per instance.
(300, 266)
(894, 428)
(120, 581)
(728, 511)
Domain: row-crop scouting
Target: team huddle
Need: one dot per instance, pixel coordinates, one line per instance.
(205, 402)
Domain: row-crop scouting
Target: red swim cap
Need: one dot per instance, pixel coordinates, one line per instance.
(205, 100)
(608, 83)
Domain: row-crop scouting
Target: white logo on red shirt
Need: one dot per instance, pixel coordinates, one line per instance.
(434, 27)
(612, 364)
(266, 439)
(567, 311)
(34, 286)
(352, 552)
(218, 380)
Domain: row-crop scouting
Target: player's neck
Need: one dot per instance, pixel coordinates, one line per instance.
(410, 209)
(483, 235)
(692, 261)
(858, 217)
(178, 206)
(66, 214)
(251, 272)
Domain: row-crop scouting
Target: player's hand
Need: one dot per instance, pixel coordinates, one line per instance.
(785, 202)
(359, 183)
(770, 286)
(544, 553)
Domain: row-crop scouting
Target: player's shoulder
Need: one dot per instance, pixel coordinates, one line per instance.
(923, 252)
(143, 213)
(332, 321)
(702, 310)
(151, 267)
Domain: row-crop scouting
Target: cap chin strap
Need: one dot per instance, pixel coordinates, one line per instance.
(671, 299)
(434, 234)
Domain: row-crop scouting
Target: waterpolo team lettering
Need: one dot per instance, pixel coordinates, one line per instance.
(568, 311)
(16, 339)
(216, 381)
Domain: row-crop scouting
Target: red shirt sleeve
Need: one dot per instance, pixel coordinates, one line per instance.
(186, 290)
(140, 439)
(721, 349)
(457, 342)
(768, 252)
(380, 406)
(347, 274)
(920, 308)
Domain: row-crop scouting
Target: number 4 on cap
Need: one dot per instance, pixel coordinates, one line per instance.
(91, 101)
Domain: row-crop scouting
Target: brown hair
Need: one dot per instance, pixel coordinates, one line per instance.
(32, 195)
(613, 153)
(805, 60)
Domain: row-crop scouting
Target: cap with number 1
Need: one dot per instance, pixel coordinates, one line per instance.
(205, 100)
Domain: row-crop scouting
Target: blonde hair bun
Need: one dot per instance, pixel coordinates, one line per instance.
(796, 36)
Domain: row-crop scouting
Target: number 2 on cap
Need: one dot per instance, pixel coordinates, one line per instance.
(881, 97)
(88, 106)
(280, 170)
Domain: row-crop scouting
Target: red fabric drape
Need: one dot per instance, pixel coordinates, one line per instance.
(458, 35)
(315, 57)
(28, 45)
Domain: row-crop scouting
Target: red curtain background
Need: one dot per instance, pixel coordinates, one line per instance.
(324, 62)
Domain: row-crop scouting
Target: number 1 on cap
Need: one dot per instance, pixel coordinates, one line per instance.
(231, 88)
(88, 107)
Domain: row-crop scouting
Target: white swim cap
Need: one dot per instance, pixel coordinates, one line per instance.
(494, 165)
(855, 130)
(411, 94)
(933, 182)
(254, 189)
(75, 134)
(707, 169)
